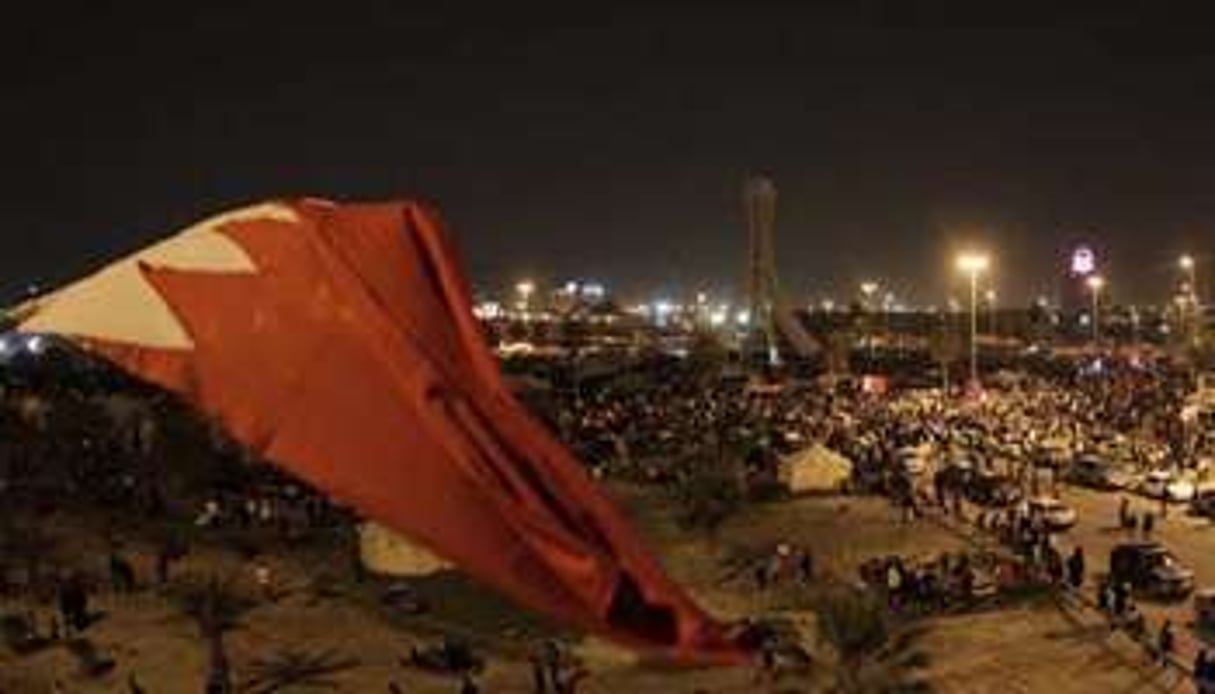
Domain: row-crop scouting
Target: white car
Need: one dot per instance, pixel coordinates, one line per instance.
(1057, 515)
(1164, 484)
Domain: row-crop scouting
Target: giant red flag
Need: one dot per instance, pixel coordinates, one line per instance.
(338, 342)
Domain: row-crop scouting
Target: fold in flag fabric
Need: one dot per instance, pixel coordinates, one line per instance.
(338, 342)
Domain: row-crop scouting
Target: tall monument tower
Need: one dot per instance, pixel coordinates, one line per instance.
(773, 327)
(759, 197)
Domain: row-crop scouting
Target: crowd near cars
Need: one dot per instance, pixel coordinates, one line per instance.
(1129, 430)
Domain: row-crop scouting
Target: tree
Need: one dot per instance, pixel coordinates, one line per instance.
(871, 655)
(291, 668)
(216, 607)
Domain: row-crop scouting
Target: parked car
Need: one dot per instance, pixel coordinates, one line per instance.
(988, 489)
(1165, 484)
(1203, 503)
(1150, 568)
(1204, 609)
(1057, 515)
(1091, 471)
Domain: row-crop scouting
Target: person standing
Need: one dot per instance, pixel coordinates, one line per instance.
(1075, 568)
(164, 560)
(760, 573)
(805, 566)
(263, 576)
(539, 677)
(1121, 595)
(1202, 673)
(1165, 642)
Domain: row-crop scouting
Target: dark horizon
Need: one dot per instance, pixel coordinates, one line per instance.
(615, 146)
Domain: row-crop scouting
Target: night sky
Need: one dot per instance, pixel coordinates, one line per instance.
(612, 143)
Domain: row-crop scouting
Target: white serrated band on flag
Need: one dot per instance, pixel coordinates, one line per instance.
(117, 304)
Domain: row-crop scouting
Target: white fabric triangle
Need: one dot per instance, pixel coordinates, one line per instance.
(117, 303)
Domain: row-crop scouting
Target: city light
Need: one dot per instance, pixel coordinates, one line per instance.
(1096, 283)
(488, 310)
(1191, 312)
(525, 289)
(743, 318)
(973, 263)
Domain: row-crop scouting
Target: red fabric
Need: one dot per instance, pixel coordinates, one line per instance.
(351, 358)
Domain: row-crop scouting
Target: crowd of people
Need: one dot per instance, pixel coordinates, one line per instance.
(661, 427)
(665, 422)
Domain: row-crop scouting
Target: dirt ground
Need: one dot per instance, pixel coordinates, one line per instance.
(1030, 648)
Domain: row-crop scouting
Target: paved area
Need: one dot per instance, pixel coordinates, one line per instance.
(1190, 538)
(1042, 647)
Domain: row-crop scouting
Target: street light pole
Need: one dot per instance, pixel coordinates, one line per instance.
(1194, 312)
(973, 264)
(1095, 284)
(868, 289)
(974, 327)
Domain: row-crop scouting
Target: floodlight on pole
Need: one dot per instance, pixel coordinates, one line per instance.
(974, 264)
(1095, 284)
(868, 289)
(524, 289)
(1193, 311)
(1189, 266)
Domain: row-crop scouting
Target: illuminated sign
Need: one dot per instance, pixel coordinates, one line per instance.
(1084, 261)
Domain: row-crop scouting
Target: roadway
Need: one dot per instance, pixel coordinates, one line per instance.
(1190, 538)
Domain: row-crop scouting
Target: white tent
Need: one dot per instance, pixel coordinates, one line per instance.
(385, 552)
(815, 469)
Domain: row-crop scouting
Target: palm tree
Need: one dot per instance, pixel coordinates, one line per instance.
(871, 654)
(216, 607)
(292, 668)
